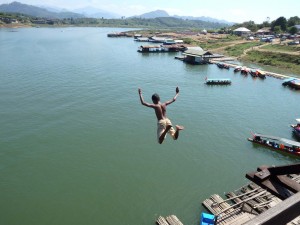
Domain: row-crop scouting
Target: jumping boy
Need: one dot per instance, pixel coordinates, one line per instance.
(164, 125)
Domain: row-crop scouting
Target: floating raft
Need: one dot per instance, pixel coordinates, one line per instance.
(243, 204)
(169, 220)
(218, 81)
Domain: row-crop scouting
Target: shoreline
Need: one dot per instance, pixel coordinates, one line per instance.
(197, 38)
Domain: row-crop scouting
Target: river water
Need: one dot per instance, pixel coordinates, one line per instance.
(77, 147)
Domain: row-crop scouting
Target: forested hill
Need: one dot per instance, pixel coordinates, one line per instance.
(159, 23)
(30, 10)
(163, 22)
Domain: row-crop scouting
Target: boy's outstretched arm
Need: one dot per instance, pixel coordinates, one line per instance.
(142, 99)
(174, 98)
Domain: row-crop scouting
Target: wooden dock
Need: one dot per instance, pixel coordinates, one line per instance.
(254, 204)
(241, 206)
(244, 204)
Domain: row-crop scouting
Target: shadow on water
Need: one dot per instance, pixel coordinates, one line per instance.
(297, 138)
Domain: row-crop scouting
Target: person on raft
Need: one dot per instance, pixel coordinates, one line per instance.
(164, 125)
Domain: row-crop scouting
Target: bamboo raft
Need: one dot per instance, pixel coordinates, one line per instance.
(241, 205)
(244, 204)
(169, 220)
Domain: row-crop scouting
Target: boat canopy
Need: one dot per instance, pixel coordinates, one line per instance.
(298, 120)
(221, 80)
(282, 140)
(289, 79)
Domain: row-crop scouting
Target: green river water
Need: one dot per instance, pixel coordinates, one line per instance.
(77, 147)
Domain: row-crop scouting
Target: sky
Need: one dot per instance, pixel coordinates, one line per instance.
(230, 10)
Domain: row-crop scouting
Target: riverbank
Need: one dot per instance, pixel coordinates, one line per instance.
(277, 54)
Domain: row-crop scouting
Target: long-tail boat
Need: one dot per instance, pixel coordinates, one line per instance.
(279, 144)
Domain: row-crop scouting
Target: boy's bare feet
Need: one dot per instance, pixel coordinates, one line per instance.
(178, 127)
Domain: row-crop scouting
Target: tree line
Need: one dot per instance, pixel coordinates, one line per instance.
(280, 25)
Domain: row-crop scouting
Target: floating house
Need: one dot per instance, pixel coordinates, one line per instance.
(196, 55)
(137, 36)
(169, 42)
(160, 48)
(155, 39)
(120, 34)
(142, 39)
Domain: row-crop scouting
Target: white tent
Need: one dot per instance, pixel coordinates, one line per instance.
(241, 29)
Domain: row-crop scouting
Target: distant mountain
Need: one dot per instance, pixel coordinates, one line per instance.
(168, 22)
(53, 9)
(17, 7)
(154, 14)
(54, 12)
(162, 13)
(96, 13)
(205, 18)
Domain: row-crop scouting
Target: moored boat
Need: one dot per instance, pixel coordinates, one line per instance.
(222, 66)
(253, 73)
(245, 70)
(207, 219)
(279, 144)
(237, 69)
(261, 74)
(296, 128)
(292, 82)
(295, 84)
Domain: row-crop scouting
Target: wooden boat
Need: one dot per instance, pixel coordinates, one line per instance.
(295, 84)
(207, 219)
(237, 69)
(222, 66)
(296, 128)
(253, 73)
(217, 81)
(258, 73)
(261, 74)
(245, 70)
(279, 144)
(292, 82)
(288, 80)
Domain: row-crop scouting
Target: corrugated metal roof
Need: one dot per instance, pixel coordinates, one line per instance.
(196, 52)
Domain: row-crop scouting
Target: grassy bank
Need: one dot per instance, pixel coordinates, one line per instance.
(238, 49)
(280, 60)
(283, 48)
(219, 42)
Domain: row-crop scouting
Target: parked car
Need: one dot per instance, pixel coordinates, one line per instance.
(293, 43)
(283, 38)
(266, 39)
